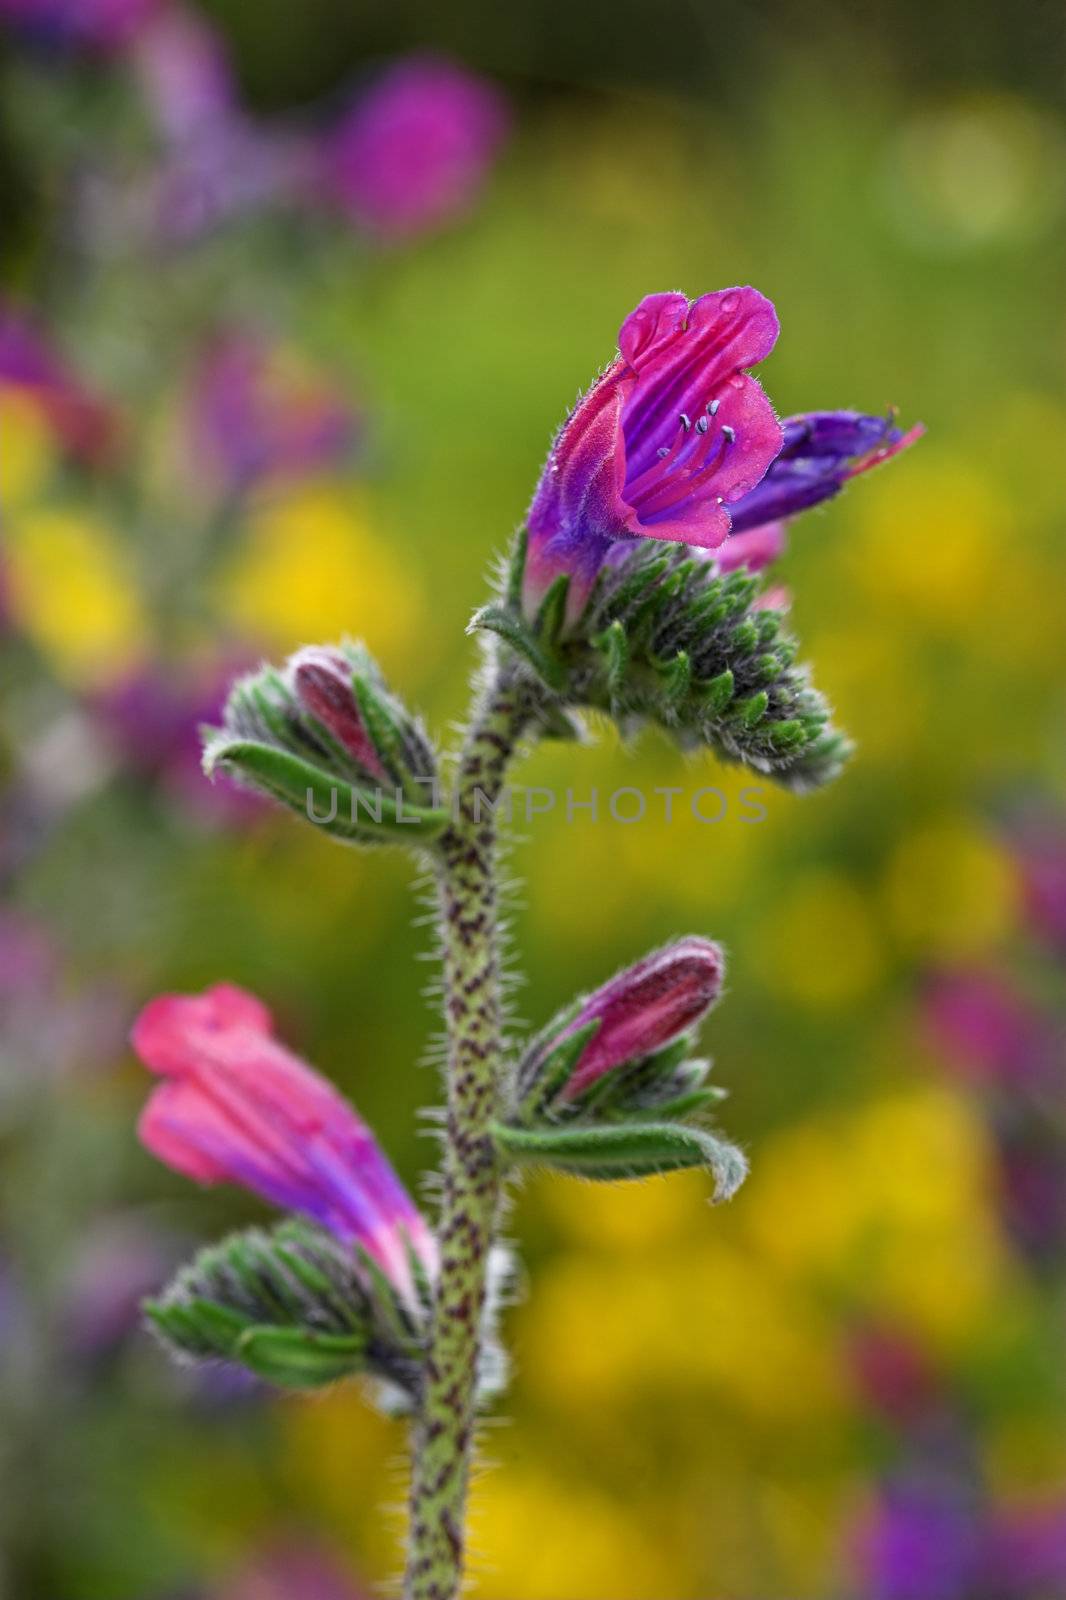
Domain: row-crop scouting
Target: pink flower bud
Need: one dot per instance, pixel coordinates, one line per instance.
(322, 679)
(645, 1008)
(237, 1107)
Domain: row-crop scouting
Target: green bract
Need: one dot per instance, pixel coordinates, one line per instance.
(664, 639)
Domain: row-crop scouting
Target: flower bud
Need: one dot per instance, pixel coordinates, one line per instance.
(644, 1009)
(327, 738)
(294, 1307)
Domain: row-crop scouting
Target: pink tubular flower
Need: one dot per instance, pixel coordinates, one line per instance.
(237, 1107)
(645, 1008)
(412, 153)
(670, 436)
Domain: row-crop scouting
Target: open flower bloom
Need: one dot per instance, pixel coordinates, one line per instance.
(645, 1008)
(676, 441)
(236, 1106)
(663, 443)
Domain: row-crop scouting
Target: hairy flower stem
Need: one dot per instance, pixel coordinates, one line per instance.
(471, 1177)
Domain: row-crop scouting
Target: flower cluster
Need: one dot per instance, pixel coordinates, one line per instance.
(632, 588)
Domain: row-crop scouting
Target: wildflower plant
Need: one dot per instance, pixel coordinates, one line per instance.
(634, 590)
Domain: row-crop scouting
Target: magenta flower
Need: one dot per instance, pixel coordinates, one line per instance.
(676, 441)
(413, 152)
(984, 1026)
(250, 419)
(925, 1540)
(665, 441)
(237, 1107)
(104, 25)
(645, 1008)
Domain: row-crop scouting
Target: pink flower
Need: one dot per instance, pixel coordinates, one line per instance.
(666, 440)
(984, 1025)
(413, 152)
(645, 1008)
(236, 1106)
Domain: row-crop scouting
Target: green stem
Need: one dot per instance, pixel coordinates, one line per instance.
(470, 1196)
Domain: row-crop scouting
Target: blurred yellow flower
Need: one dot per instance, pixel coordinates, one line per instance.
(538, 1535)
(311, 569)
(861, 670)
(625, 1215)
(338, 1453)
(27, 456)
(664, 1322)
(819, 944)
(74, 595)
(950, 892)
(887, 1206)
(928, 543)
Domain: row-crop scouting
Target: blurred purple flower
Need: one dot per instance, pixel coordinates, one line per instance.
(50, 1026)
(1031, 1182)
(120, 1260)
(235, 1106)
(103, 25)
(1028, 1553)
(218, 163)
(84, 425)
(251, 418)
(984, 1025)
(934, 1539)
(923, 1542)
(413, 151)
(151, 721)
(292, 1571)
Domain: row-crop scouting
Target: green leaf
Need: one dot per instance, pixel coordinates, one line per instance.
(614, 647)
(345, 811)
(293, 1358)
(625, 1150)
(511, 627)
(551, 616)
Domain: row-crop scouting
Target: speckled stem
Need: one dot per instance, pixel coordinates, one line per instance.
(471, 1179)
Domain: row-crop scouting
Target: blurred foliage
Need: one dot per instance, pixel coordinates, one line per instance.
(685, 1421)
